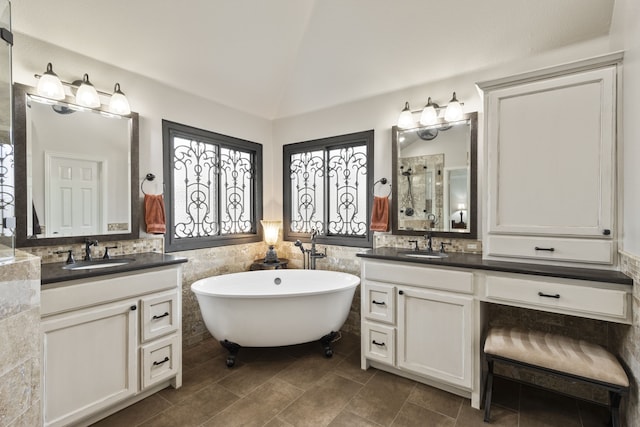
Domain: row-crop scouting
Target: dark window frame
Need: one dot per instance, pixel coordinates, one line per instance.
(365, 138)
(169, 131)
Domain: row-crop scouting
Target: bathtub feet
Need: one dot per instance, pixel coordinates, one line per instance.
(326, 343)
(233, 352)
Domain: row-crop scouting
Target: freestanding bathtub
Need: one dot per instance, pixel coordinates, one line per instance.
(270, 308)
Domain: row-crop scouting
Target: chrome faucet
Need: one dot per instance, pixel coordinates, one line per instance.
(87, 248)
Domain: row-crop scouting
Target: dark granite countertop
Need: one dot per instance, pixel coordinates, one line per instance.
(54, 273)
(475, 261)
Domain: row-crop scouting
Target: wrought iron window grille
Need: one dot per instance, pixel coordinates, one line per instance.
(326, 188)
(215, 188)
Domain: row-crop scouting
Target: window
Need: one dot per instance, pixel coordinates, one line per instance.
(214, 192)
(326, 188)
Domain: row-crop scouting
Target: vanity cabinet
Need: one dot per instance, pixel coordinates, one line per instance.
(551, 163)
(108, 342)
(418, 322)
(89, 360)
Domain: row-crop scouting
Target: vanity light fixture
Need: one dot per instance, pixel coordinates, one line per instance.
(430, 113)
(50, 85)
(87, 95)
(271, 231)
(119, 103)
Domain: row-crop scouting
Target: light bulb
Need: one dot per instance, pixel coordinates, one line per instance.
(87, 96)
(405, 121)
(119, 103)
(50, 85)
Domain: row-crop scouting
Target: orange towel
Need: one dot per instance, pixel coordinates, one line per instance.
(380, 214)
(154, 213)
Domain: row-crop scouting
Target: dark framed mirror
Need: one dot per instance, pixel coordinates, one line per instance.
(76, 172)
(434, 184)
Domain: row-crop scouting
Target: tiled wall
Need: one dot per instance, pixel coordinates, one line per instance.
(20, 342)
(626, 341)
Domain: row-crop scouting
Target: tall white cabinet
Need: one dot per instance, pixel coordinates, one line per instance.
(550, 161)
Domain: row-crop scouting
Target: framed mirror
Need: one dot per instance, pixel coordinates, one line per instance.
(76, 172)
(435, 179)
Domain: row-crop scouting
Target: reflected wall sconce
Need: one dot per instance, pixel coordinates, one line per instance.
(50, 86)
(430, 114)
(271, 232)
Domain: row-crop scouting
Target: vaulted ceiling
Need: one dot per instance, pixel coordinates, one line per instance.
(277, 58)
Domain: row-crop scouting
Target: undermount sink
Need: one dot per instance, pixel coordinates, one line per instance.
(425, 254)
(98, 263)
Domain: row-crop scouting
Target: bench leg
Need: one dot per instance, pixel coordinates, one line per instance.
(614, 405)
(488, 390)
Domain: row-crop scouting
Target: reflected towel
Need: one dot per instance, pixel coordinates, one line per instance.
(154, 213)
(380, 214)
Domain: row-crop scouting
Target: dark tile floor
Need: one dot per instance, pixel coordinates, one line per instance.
(297, 386)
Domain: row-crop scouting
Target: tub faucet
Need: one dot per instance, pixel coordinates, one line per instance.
(87, 248)
(313, 253)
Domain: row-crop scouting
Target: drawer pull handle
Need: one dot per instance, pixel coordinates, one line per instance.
(378, 303)
(165, 360)
(537, 248)
(379, 344)
(556, 296)
(166, 313)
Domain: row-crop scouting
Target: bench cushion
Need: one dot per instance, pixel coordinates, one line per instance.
(556, 352)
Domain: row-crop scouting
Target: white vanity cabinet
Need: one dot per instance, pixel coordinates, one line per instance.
(550, 162)
(108, 342)
(418, 322)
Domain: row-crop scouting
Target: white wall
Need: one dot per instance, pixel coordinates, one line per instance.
(626, 36)
(152, 100)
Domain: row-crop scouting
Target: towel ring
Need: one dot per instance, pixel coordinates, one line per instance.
(382, 181)
(148, 177)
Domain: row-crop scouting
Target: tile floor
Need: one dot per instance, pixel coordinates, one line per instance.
(297, 386)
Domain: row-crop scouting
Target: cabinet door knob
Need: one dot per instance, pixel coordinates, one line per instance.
(606, 232)
(134, 307)
(401, 292)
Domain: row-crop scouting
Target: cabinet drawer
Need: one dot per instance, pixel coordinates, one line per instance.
(549, 295)
(379, 302)
(159, 315)
(564, 249)
(160, 360)
(422, 276)
(379, 343)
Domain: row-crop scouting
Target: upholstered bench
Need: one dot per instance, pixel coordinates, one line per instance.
(574, 360)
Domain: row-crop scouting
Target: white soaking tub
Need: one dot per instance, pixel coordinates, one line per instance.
(271, 308)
